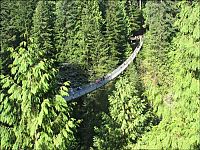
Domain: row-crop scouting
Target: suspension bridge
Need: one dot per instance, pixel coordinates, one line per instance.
(80, 91)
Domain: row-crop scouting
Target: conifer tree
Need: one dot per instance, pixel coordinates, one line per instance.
(121, 20)
(94, 56)
(153, 59)
(34, 114)
(66, 27)
(60, 27)
(179, 127)
(93, 37)
(116, 30)
(105, 48)
(134, 18)
(129, 116)
(15, 22)
(43, 26)
(97, 51)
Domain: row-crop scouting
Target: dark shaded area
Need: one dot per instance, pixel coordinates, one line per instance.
(73, 73)
(6, 125)
(94, 104)
(197, 146)
(78, 76)
(88, 107)
(141, 31)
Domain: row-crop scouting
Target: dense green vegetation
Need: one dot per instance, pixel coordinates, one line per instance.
(48, 47)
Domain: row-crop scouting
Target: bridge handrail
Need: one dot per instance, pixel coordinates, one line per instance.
(110, 76)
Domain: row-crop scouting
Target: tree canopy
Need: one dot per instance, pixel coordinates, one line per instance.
(49, 49)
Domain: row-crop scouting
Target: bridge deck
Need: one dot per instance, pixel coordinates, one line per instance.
(93, 86)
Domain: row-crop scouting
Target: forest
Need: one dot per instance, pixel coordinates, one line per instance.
(49, 48)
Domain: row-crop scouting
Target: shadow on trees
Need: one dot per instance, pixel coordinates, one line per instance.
(73, 73)
(87, 108)
(94, 104)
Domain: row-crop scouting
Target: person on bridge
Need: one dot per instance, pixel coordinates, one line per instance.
(79, 88)
(71, 92)
(107, 76)
(97, 81)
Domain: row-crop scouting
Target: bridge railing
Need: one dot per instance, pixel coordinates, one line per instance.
(93, 86)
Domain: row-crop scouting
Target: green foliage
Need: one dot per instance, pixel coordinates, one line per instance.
(153, 61)
(43, 27)
(179, 128)
(93, 56)
(101, 44)
(66, 27)
(34, 113)
(129, 116)
(60, 26)
(133, 15)
(15, 22)
(91, 37)
(117, 30)
(98, 60)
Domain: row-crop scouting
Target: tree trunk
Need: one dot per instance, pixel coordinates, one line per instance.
(140, 4)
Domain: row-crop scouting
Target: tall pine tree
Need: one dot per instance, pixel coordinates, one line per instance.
(129, 115)
(43, 27)
(179, 127)
(34, 115)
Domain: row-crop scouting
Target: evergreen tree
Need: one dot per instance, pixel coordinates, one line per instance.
(98, 53)
(153, 60)
(15, 22)
(94, 56)
(134, 17)
(121, 20)
(105, 51)
(43, 27)
(60, 27)
(91, 37)
(66, 28)
(129, 116)
(116, 30)
(179, 127)
(34, 114)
